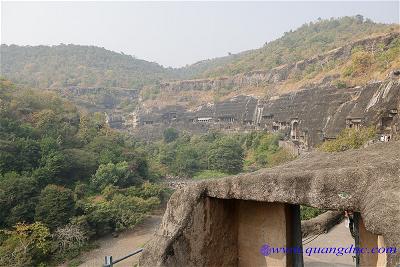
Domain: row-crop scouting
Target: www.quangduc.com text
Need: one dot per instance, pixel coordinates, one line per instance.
(267, 250)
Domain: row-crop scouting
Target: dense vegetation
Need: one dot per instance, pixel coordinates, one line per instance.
(76, 65)
(65, 178)
(214, 154)
(309, 40)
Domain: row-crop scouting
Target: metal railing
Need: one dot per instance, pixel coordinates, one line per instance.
(109, 260)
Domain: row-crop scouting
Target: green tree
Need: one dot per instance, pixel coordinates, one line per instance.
(17, 198)
(186, 161)
(114, 174)
(109, 148)
(119, 209)
(307, 212)
(170, 135)
(226, 155)
(266, 145)
(19, 155)
(55, 206)
(79, 165)
(25, 245)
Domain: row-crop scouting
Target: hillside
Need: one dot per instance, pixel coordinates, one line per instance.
(76, 65)
(89, 66)
(354, 64)
(309, 40)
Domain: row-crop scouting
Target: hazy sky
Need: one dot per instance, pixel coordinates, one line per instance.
(172, 33)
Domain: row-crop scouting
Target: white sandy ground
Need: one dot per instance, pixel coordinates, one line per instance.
(338, 236)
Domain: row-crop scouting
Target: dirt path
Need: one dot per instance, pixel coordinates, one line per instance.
(126, 243)
(338, 236)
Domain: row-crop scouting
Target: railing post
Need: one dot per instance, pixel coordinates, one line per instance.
(108, 261)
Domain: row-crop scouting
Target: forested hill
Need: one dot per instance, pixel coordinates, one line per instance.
(89, 66)
(76, 65)
(309, 40)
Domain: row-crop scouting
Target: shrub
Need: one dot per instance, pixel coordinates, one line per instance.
(70, 237)
(25, 245)
(170, 135)
(307, 213)
(361, 62)
(265, 147)
(348, 71)
(118, 212)
(279, 157)
(341, 84)
(349, 138)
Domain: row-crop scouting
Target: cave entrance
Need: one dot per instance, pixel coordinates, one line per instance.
(294, 131)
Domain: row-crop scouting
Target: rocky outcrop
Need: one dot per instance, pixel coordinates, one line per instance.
(365, 180)
(321, 224)
(307, 116)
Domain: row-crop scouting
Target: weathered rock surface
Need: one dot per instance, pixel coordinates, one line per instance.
(320, 224)
(365, 180)
(318, 113)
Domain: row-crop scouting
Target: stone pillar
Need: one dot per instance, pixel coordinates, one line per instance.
(262, 223)
(370, 241)
(382, 258)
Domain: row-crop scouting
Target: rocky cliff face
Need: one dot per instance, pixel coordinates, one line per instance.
(307, 116)
(246, 113)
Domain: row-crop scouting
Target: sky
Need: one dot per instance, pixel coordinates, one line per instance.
(172, 33)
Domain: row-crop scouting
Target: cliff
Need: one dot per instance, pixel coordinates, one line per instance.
(307, 116)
